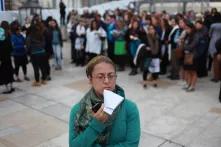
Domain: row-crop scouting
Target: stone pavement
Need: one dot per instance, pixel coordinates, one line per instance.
(170, 117)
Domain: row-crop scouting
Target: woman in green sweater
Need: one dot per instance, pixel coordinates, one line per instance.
(89, 128)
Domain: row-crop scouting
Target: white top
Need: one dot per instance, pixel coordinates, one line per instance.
(94, 42)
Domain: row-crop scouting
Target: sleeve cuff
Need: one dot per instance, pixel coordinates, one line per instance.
(97, 125)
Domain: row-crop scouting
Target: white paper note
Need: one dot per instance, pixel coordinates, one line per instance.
(111, 101)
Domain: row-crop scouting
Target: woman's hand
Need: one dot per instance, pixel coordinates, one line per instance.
(101, 115)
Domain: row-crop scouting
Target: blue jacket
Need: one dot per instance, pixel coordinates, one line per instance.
(18, 44)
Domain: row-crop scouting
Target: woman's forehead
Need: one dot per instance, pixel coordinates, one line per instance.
(104, 68)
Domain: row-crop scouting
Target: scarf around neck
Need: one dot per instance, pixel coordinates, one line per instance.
(84, 116)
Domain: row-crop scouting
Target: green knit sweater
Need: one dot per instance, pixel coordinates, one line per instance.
(125, 130)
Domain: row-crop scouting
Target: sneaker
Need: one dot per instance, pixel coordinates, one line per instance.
(36, 84)
(185, 87)
(26, 78)
(190, 89)
(133, 73)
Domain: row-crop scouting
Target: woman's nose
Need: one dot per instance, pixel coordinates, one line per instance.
(106, 79)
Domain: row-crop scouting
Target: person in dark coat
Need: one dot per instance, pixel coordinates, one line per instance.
(202, 49)
(190, 58)
(218, 55)
(36, 48)
(166, 28)
(6, 69)
(62, 12)
(48, 46)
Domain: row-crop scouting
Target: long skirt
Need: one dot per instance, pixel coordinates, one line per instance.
(6, 72)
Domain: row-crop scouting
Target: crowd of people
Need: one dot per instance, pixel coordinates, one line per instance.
(36, 42)
(184, 46)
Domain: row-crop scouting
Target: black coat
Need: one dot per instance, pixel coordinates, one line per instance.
(6, 69)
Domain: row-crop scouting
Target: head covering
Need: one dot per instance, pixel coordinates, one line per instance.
(2, 34)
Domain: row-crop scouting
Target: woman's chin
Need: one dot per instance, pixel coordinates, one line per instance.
(110, 89)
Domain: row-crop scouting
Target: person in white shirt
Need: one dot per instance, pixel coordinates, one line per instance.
(94, 35)
(80, 42)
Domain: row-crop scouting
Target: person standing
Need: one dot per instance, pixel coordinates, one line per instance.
(6, 69)
(120, 52)
(80, 43)
(218, 56)
(151, 60)
(95, 128)
(166, 28)
(94, 36)
(215, 34)
(57, 44)
(173, 42)
(191, 43)
(202, 49)
(133, 36)
(36, 48)
(62, 12)
(19, 52)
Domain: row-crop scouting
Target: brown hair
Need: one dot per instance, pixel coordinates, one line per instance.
(96, 60)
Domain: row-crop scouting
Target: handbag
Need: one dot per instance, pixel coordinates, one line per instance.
(120, 47)
(179, 53)
(188, 59)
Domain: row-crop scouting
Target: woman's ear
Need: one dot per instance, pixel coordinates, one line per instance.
(90, 79)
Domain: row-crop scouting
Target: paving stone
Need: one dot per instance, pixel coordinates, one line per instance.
(34, 125)
(195, 129)
(72, 99)
(170, 144)
(60, 141)
(34, 101)
(166, 126)
(150, 140)
(60, 111)
(80, 85)
(8, 107)
(9, 131)
(55, 93)
(209, 137)
(3, 98)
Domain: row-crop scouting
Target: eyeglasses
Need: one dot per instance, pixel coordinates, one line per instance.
(101, 77)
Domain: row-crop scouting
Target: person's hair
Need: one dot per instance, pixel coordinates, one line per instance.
(176, 20)
(199, 22)
(96, 60)
(5, 25)
(91, 25)
(15, 26)
(193, 29)
(37, 31)
(120, 24)
(166, 23)
(56, 24)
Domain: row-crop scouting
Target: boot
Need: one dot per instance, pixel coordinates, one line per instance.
(133, 72)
